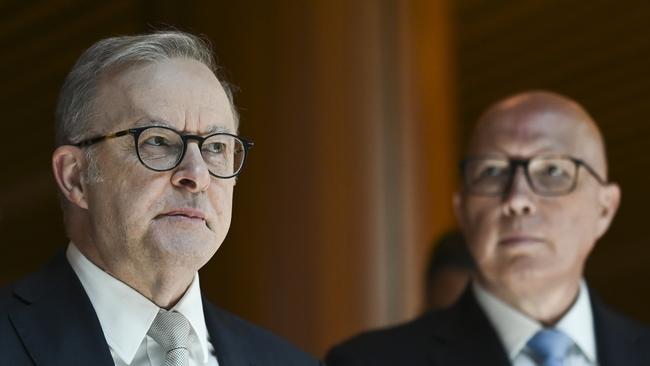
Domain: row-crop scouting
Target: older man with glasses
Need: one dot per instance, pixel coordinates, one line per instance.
(534, 200)
(146, 159)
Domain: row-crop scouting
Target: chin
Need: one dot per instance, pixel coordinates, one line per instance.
(185, 248)
(529, 271)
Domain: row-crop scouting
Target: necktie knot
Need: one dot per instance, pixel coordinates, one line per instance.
(551, 346)
(172, 331)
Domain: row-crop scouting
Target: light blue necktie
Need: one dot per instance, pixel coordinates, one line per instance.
(550, 346)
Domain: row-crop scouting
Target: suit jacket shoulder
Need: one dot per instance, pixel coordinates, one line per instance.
(619, 339)
(460, 335)
(10, 344)
(47, 319)
(407, 344)
(239, 342)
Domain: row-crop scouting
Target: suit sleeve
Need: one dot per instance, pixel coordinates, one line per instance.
(339, 356)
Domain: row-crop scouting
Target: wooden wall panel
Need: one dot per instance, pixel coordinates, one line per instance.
(39, 41)
(428, 136)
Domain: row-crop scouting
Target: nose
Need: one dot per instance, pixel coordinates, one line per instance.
(519, 199)
(192, 173)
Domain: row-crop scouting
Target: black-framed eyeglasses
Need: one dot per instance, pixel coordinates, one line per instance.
(546, 175)
(161, 148)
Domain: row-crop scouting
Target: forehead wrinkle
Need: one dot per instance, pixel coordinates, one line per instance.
(147, 107)
(146, 119)
(156, 121)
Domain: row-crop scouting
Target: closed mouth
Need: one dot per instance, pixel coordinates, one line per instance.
(521, 240)
(189, 213)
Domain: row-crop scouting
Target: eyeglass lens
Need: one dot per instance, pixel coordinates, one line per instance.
(547, 175)
(162, 149)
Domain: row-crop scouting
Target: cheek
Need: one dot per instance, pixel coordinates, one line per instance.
(481, 226)
(220, 197)
(573, 227)
(135, 199)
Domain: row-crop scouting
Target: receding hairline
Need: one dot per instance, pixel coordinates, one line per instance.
(75, 107)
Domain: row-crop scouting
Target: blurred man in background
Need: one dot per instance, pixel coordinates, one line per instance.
(448, 272)
(534, 201)
(146, 160)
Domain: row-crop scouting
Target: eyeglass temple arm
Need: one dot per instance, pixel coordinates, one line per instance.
(95, 140)
(591, 171)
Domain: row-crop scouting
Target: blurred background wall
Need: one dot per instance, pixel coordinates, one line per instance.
(359, 110)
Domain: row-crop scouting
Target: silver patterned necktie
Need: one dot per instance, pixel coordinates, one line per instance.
(172, 331)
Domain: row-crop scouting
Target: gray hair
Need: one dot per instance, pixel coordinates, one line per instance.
(74, 110)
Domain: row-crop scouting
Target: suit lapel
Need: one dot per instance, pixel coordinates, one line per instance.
(464, 337)
(57, 322)
(229, 346)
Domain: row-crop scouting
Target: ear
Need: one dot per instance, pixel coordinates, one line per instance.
(68, 165)
(609, 199)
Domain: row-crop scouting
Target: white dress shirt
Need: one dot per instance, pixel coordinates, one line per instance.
(125, 316)
(515, 329)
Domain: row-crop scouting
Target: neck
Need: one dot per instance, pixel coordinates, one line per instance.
(165, 291)
(547, 304)
(164, 286)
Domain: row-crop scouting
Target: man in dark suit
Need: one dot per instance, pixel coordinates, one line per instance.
(146, 160)
(535, 199)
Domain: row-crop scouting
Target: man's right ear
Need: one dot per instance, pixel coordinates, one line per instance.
(68, 168)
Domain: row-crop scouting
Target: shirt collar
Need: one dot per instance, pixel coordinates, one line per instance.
(515, 329)
(578, 324)
(125, 326)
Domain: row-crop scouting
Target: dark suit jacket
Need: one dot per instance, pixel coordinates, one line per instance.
(47, 319)
(462, 336)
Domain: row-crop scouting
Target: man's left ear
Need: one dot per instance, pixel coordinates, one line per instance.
(609, 199)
